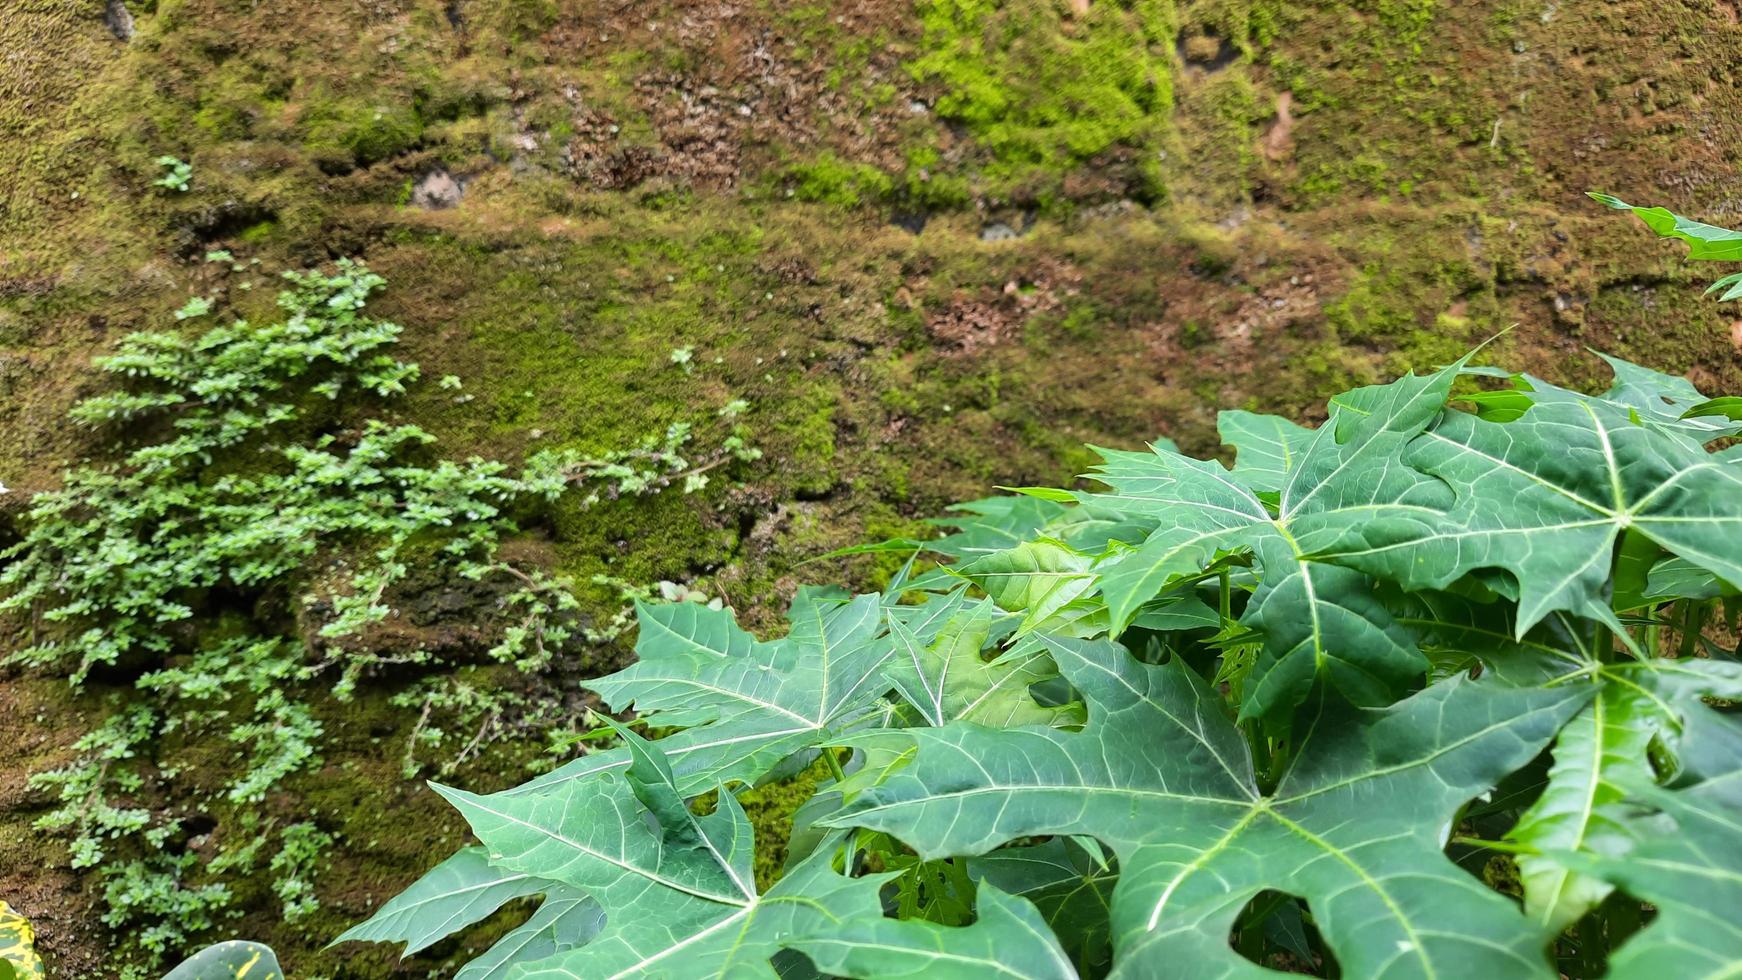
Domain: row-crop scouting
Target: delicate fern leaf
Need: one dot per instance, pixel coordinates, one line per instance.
(1160, 776)
(1704, 241)
(1687, 863)
(946, 680)
(751, 705)
(677, 889)
(460, 891)
(1545, 498)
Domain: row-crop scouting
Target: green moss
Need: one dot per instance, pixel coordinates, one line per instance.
(361, 131)
(812, 440)
(770, 809)
(830, 180)
(1218, 122)
(1044, 92)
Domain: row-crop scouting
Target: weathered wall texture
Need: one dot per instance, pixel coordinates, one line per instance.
(936, 246)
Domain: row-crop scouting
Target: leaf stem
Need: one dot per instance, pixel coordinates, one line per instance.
(1693, 621)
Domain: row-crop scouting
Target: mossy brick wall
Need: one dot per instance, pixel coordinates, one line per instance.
(1130, 213)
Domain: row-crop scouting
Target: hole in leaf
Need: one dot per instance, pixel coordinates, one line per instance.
(1276, 930)
(1070, 880)
(1584, 948)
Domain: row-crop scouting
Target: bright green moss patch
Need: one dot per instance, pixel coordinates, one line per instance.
(1044, 91)
(831, 180)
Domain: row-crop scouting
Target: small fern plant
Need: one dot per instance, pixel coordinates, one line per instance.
(246, 481)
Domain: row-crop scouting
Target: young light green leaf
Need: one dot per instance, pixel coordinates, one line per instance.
(1036, 578)
(1704, 241)
(1687, 863)
(1603, 748)
(946, 680)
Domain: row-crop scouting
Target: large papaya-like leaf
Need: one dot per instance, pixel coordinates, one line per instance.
(1355, 827)
(679, 893)
(1318, 621)
(946, 680)
(466, 889)
(749, 704)
(1545, 498)
(1687, 862)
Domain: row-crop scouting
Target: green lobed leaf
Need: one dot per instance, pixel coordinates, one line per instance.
(1687, 862)
(1545, 499)
(750, 704)
(1355, 827)
(946, 680)
(460, 891)
(1037, 578)
(1268, 448)
(678, 891)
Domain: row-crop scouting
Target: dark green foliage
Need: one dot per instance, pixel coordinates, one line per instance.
(1307, 676)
